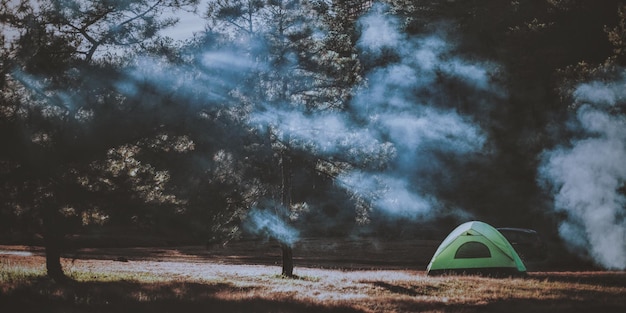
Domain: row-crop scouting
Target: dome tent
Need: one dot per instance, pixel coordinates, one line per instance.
(476, 248)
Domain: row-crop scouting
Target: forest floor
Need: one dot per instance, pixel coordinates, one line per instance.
(331, 277)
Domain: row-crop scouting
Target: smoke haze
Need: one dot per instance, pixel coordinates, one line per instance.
(264, 223)
(399, 132)
(397, 123)
(587, 175)
(402, 105)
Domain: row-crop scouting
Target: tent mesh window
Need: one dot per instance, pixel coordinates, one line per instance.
(472, 250)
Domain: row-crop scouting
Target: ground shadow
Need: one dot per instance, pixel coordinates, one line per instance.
(606, 279)
(509, 306)
(43, 295)
(422, 298)
(412, 291)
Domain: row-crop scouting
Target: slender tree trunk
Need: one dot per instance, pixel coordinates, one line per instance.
(53, 242)
(286, 249)
(287, 260)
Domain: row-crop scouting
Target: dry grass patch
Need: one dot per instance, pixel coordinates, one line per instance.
(190, 286)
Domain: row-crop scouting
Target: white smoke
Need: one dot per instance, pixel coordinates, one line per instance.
(206, 82)
(403, 105)
(391, 194)
(401, 120)
(268, 224)
(587, 175)
(381, 31)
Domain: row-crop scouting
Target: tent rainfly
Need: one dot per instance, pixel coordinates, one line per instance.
(476, 248)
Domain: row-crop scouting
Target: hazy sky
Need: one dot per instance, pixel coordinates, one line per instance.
(188, 23)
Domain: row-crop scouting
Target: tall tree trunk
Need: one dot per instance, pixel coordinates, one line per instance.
(286, 249)
(53, 242)
(287, 260)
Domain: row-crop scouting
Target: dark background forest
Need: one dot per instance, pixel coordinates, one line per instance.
(288, 119)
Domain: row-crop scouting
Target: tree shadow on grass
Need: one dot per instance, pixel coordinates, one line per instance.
(566, 299)
(509, 306)
(606, 279)
(407, 290)
(42, 295)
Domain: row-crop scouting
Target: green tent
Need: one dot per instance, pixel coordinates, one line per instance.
(476, 248)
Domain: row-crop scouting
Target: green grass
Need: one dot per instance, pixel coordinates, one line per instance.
(12, 272)
(140, 277)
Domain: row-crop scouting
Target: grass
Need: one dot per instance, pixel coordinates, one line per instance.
(190, 286)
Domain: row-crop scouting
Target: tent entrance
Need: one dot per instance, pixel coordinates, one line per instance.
(472, 250)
